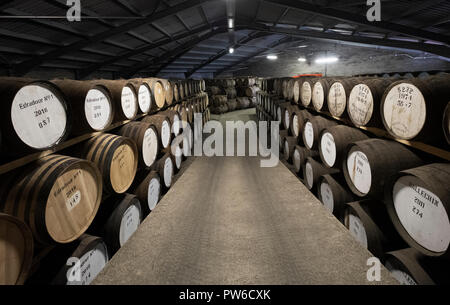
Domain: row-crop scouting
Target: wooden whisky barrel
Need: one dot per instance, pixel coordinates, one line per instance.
(149, 192)
(165, 169)
(306, 92)
(410, 267)
(88, 259)
(175, 121)
(124, 217)
(320, 92)
(145, 98)
(145, 136)
(158, 92)
(364, 102)
(36, 115)
(334, 194)
(370, 163)
(289, 147)
(446, 123)
(338, 96)
(91, 105)
(162, 124)
(176, 92)
(124, 97)
(16, 250)
(313, 170)
(168, 91)
(418, 202)
(298, 122)
(57, 196)
(334, 141)
(299, 158)
(116, 157)
(368, 222)
(410, 108)
(296, 90)
(312, 130)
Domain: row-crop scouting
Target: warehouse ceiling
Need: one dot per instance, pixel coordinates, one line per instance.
(142, 38)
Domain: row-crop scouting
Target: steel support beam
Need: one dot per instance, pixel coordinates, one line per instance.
(28, 65)
(361, 20)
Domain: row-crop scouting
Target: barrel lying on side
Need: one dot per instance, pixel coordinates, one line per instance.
(370, 163)
(299, 158)
(91, 105)
(312, 129)
(411, 108)
(122, 215)
(124, 96)
(165, 168)
(149, 192)
(16, 250)
(369, 223)
(334, 194)
(57, 196)
(145, 136)
(162, 124)
(418, 203)
(319, 94)
(313, 170)
(364, 102)
(411, 267)
(35, 115)
(334, 141)
(338, 96)
(117, 159)
(289, 147)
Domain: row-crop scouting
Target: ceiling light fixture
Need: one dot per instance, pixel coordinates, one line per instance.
(230, 23)
(326, 60)
(231, 50)
(272, 57)
(302, 59)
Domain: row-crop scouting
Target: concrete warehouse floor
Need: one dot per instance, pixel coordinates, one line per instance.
(229, 221)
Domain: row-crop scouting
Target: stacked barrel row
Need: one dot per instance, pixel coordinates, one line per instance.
(228, 95)
(413, 109)
(104, 186)
(395, 201)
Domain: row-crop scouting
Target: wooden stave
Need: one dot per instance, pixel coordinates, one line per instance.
(103, 158)
(136, 132)
(433, 184)
(343, 136)
(46, 169)
(395, 162)
(9, 87)
(28, 249)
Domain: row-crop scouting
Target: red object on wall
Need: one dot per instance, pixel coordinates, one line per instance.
(305, 75)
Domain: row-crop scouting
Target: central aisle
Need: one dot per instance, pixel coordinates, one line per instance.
(229, 221)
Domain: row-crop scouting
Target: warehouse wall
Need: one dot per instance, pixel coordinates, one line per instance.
(353, 61)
